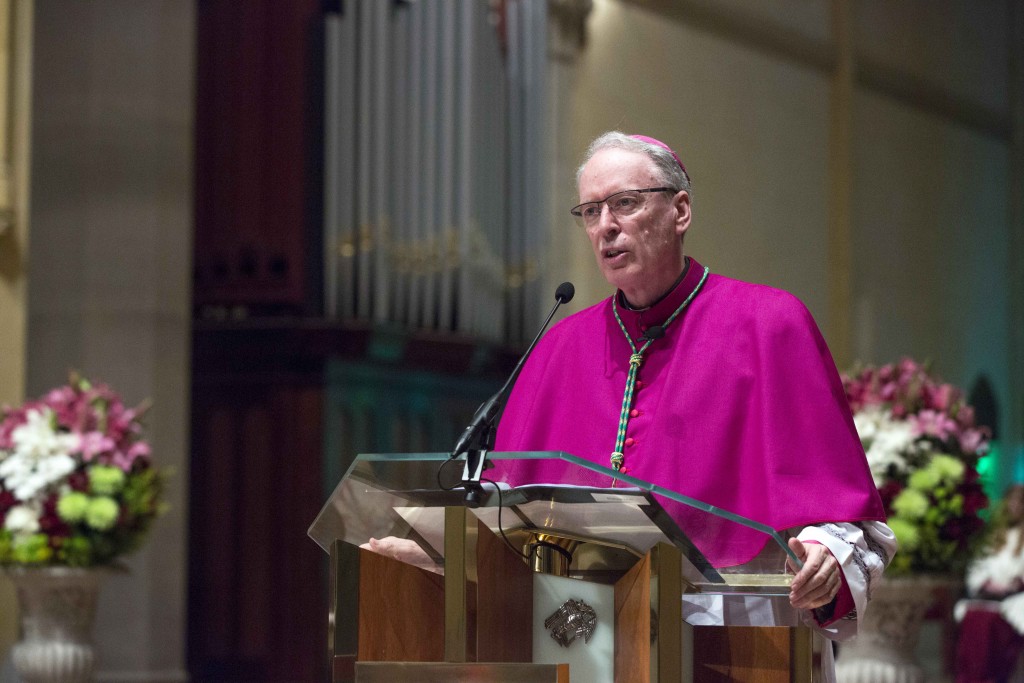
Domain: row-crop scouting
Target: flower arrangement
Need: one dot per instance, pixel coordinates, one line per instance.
(923, 448)
(77, 483)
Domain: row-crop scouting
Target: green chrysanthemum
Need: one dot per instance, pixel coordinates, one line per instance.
(72, 506)
(956, 504)
(906, 533)
(925, 479)
(948, 468)
(105, 480)
(910, 504)
(102, 513)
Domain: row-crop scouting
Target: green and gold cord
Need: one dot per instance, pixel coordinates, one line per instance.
(637, 357)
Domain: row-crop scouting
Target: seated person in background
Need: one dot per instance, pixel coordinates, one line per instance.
(992, 618)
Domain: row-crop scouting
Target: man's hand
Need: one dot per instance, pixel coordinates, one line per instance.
(820, 579)
(403, 550)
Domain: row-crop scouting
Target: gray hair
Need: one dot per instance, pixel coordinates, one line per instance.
(669, 172)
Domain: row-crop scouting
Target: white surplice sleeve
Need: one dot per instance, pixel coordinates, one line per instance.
(863, 550)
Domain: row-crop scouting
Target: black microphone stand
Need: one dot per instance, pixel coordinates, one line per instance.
(478, 437)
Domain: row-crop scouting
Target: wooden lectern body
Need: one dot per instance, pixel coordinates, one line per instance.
(465, 611)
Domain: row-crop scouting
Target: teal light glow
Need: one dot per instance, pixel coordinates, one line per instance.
(988, 471)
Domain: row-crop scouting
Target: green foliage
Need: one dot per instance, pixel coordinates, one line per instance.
(33, 549)
(6, 550)
(75, 551)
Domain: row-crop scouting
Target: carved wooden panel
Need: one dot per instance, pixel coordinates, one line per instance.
(258, 98)
(257, 584)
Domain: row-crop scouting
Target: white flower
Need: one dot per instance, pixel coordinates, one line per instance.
(22, 519)
(866, 422)
(886, 441)
(41, 456)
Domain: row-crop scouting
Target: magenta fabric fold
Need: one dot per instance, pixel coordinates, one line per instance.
(739, 405)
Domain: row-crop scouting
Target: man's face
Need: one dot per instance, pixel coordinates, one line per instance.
(640, 254)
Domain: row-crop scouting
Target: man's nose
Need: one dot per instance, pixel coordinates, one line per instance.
(607, 221)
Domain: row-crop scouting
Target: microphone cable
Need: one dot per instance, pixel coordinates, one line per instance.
(501, 506)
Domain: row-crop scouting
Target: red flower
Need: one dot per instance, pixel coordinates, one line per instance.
(961, 529)
(974, 499)
(7, 501)
(50, 522)
(78, 481)
(888, 491)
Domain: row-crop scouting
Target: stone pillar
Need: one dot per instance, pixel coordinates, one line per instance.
(840, 171)
(567, 38)
(111, 259)
(15, 112)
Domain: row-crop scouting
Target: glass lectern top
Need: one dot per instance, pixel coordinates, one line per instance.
(398, 497)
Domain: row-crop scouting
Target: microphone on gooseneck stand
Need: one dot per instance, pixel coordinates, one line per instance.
(478, 437)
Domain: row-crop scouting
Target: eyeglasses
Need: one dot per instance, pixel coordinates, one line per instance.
(621, 204)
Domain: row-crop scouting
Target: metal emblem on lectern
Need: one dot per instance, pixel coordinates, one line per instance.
(573, 619)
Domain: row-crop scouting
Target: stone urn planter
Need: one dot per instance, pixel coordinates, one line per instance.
(883, 651)
(57, 607)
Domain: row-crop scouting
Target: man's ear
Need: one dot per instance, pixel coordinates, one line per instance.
(681, 202)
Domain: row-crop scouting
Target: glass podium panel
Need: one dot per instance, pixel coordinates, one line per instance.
(607, 527)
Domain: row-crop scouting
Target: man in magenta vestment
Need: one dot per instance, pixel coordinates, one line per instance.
(733, 398)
